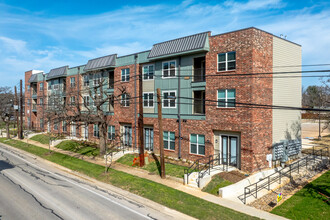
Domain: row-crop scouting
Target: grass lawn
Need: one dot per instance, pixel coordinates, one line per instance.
(79, 147)
(41, 138)
(308, 203)
(159, 193)
(216, 183)
(170, 169)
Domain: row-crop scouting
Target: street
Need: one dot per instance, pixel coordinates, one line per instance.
(33, 189)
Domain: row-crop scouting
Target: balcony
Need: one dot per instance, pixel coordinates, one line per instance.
(199, 102)
(199, 69)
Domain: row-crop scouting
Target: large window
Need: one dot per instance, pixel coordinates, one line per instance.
(197, 144)
(169, 69)
(169, 140)
(148, 72)
(125, 100)
(127, 135)
(72, 82)
(169, 99)
(148, 100)
(149, 139)
(96, 131)
(41, 86)
(125, 75)
(111, 132)
(86, 80)
(226, 61)
(226, 98)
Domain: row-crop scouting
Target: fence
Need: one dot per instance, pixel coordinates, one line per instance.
(286, 172)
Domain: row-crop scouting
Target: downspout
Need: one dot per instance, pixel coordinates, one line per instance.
(179, 101)
(135, 100)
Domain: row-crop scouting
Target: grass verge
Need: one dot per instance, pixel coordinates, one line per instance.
(308, 203)
(152, 167)
(82, 148)
(216, 183)
(41, 138)
(159, 193)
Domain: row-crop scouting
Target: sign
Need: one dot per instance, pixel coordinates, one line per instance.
(279, 197)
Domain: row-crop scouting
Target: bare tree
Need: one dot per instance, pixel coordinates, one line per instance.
(6, 107)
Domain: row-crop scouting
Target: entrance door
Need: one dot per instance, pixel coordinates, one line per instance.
(229, 150)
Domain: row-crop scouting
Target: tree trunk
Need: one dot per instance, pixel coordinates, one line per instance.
(103, 138)
(7, 128)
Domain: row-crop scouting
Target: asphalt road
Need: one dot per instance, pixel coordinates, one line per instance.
(33, 189)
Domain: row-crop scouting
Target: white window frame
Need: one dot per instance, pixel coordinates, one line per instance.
(86, 100)
(98, 131)
(72, 98)
(148, 100)
(150, 138)
(169, 140)
(168, 77)
(148, 76)
(72, 82)
(226, 98)
(125, 102)
(41, 88)
(226, 61)
(197, 145)
(126, 135)
(97, 79)
(168, 91)
(126, 72)
(112, 134)
(86, 83)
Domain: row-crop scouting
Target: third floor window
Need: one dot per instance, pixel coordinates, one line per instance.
(73, 82)
(226, 61)
(125, 75)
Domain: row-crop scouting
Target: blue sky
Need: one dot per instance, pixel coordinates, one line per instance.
(47, 34)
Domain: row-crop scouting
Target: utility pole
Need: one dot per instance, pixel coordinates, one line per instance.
(21, 110)
(161, 143)
(16, 112)
(135, 103)
(140, 123)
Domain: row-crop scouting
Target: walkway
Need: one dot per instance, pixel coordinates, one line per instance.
(170, 182)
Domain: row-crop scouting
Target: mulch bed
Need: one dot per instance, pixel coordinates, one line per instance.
(232, 176)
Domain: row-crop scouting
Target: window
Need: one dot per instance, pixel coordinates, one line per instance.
(125, 75)
(41, 101)
(169, 69)
(97, 79)
(96, 131)
(226, 61)
(125, 100)
(169, 140)
(197, 144)
(72, 82)
(169, 102)
(55, 126)
(72, 100)
(29, 102)
(148, 100)
(148, 72)
(42, 124)
(64, 126)
(226, 98)
(111, 132)
(86, 100)
(41, 86)
(127, 135)
(149, 139)
(86, 80)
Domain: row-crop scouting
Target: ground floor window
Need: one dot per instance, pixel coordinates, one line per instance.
(111, 132)
(197, 144)
(96, 131)
(64, 126)
(169, 140)
(73, 130)
(149, 139)
(127, 135)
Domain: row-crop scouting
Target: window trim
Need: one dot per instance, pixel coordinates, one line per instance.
(168, 91)
(74, 82)
(169, 141)
(86, 83)
(87, 103)
(226, 62)
(98, 131)
(196, 145)
(153, 76)
(153, 99)
(41, 88)
(175, 69)
(121, 74)
(127, 96)
(226, 98)
(114, 133)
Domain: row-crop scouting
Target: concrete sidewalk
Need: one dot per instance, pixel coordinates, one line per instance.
(170, 182)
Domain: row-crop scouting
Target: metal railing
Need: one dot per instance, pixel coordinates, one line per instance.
(295, 167)
(204, 166)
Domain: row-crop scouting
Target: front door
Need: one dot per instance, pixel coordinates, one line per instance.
(229, 150)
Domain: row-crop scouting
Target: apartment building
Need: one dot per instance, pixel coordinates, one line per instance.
(218, 93)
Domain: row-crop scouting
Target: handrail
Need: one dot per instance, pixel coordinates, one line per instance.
(277, 176)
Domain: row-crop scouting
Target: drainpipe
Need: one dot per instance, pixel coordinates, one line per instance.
(179, 101)
(135, 100)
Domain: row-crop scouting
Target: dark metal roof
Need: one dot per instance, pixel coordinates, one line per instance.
(192, 42)
(57, 72)
(101, 62)
(33, 78)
